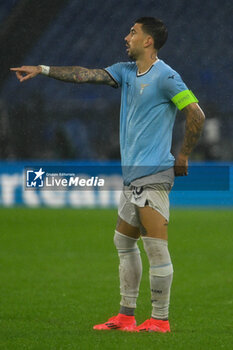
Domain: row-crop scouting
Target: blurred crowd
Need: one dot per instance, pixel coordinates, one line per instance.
(47, 119)
(31, 131)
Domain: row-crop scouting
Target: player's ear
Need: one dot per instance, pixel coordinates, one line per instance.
(148, 41)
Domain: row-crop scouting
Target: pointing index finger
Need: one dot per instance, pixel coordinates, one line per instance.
(16, 69)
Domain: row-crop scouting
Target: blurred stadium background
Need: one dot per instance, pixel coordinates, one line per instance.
(46, 120)
(59, 265)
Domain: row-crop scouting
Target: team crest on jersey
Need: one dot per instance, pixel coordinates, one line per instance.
(143, 87)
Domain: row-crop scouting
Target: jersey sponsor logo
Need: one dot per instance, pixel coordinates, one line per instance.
(171, 76)
(143, 87)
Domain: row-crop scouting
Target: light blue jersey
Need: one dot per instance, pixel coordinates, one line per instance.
(147, 117)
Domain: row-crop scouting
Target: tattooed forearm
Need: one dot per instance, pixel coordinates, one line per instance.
(81, 75)
(194, 123)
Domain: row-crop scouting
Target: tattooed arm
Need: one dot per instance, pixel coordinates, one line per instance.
(73, 74)
(81, 75)
(194, 123)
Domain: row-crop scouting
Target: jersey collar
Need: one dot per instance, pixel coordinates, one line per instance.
(140, 74)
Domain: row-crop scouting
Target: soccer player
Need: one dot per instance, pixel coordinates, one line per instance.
(151, 94)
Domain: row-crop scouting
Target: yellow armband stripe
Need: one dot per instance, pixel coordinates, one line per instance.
(183, 99)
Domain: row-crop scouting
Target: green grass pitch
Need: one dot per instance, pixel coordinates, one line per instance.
(59, 277)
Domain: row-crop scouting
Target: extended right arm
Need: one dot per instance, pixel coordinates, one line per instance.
(72, 74)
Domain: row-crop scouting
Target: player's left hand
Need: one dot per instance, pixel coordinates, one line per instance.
(181, 165)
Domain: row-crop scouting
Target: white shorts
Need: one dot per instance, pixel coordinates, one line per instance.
(156, 196)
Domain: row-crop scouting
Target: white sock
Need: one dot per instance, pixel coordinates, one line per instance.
(130, 269)
(161, 273)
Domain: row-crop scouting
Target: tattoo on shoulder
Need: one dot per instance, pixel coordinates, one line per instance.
(81, 75)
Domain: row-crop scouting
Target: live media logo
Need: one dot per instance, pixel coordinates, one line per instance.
(34, 179)
(49, 180)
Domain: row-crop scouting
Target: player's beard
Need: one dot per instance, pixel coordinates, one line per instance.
(132, 55)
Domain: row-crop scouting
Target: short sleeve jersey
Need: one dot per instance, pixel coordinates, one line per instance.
(147, 116)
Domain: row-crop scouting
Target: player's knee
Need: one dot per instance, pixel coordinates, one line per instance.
(125, 243)
(158, 256)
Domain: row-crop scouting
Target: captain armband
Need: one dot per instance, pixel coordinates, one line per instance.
(184, 98)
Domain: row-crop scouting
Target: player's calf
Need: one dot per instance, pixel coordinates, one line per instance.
(161, 273)
(130, 271)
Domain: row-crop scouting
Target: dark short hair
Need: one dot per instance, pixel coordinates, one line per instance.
(156, 28)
